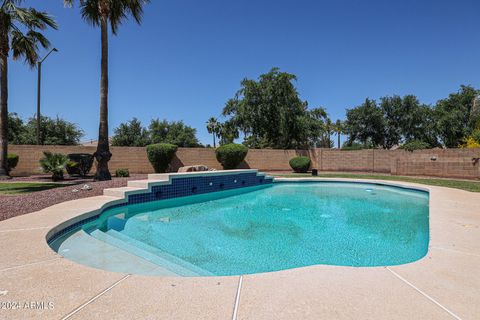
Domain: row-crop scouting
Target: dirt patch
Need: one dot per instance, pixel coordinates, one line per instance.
(15, 205)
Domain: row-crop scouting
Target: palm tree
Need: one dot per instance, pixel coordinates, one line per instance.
(339, 129)
(327, 130)
(101, 13)
(213, 128)
(19, 32)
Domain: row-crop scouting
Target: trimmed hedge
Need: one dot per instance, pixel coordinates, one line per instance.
(231, 155)
(122, 173)
(80, 164)
(12, 161)
(160, 155)
(300, 164)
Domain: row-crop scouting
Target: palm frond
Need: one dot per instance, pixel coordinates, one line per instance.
(43, 19)
(135, 8)
(37, 37)
(117, 14)
(23, 26)
(33, 19)
(9, 5)
(26, 45)
(117, 11)
(90, 11)
(68, 3)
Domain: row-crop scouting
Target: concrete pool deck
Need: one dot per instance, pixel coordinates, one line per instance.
(445, 284)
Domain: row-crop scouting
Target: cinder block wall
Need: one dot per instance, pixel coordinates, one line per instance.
(451, 163)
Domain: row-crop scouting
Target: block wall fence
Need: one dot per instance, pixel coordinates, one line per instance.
(448, 163)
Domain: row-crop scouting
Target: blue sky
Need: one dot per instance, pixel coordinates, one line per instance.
(189, 56)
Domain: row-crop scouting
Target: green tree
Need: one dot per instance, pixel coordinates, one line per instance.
(392, 108)
(269, 111)
(366, 124)
(454, 118)
(131, 134)
(228, 132)
(20, 33)
(16, 129)
(406, 120)
(425, 130)
(102, 13)
(475, 113)
(319, 128)
(213, 127)
(175, 132)
(53, 132)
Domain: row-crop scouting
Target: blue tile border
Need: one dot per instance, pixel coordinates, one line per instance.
(189, 186)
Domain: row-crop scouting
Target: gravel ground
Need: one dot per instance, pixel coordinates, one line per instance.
(15, 205)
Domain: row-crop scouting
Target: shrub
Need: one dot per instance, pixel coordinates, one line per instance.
(12, 161)
(122, 173)
(415, 145)
(160, 155)
(80, 163)
(54, 163)
(300, 164)
(471, 143)
(231, 155)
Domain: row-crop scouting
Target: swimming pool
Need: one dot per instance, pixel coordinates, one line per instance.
(258, 229)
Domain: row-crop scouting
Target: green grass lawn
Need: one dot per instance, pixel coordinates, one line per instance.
(12, 188)
(472, 186)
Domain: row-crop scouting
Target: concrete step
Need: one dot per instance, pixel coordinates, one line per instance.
(120, 192)
(143, 183)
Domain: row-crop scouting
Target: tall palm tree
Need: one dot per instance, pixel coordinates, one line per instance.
(102, 13)
(213, 128)
(339, 129)
(19, 33)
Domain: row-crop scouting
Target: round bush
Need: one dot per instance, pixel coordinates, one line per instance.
(231, 155)
(12, 161)
(80, 163)
(300, 164)
(160, 155)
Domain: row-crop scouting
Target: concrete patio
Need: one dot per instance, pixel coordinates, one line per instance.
(445, 284)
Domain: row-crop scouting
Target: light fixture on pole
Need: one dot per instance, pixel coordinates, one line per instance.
(39, 69)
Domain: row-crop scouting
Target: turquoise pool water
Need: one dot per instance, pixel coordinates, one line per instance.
(284, 226)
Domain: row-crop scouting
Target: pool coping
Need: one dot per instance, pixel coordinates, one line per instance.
(437, 281)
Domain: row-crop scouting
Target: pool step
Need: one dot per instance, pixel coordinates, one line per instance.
(149, 253)
(159, 253)
(85, 249)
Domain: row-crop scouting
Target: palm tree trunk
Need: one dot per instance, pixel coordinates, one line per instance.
(338, 136)
(3, 115)
(214, 140)
(103, 154)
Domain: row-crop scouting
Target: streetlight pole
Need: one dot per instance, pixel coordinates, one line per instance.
(39, 69)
